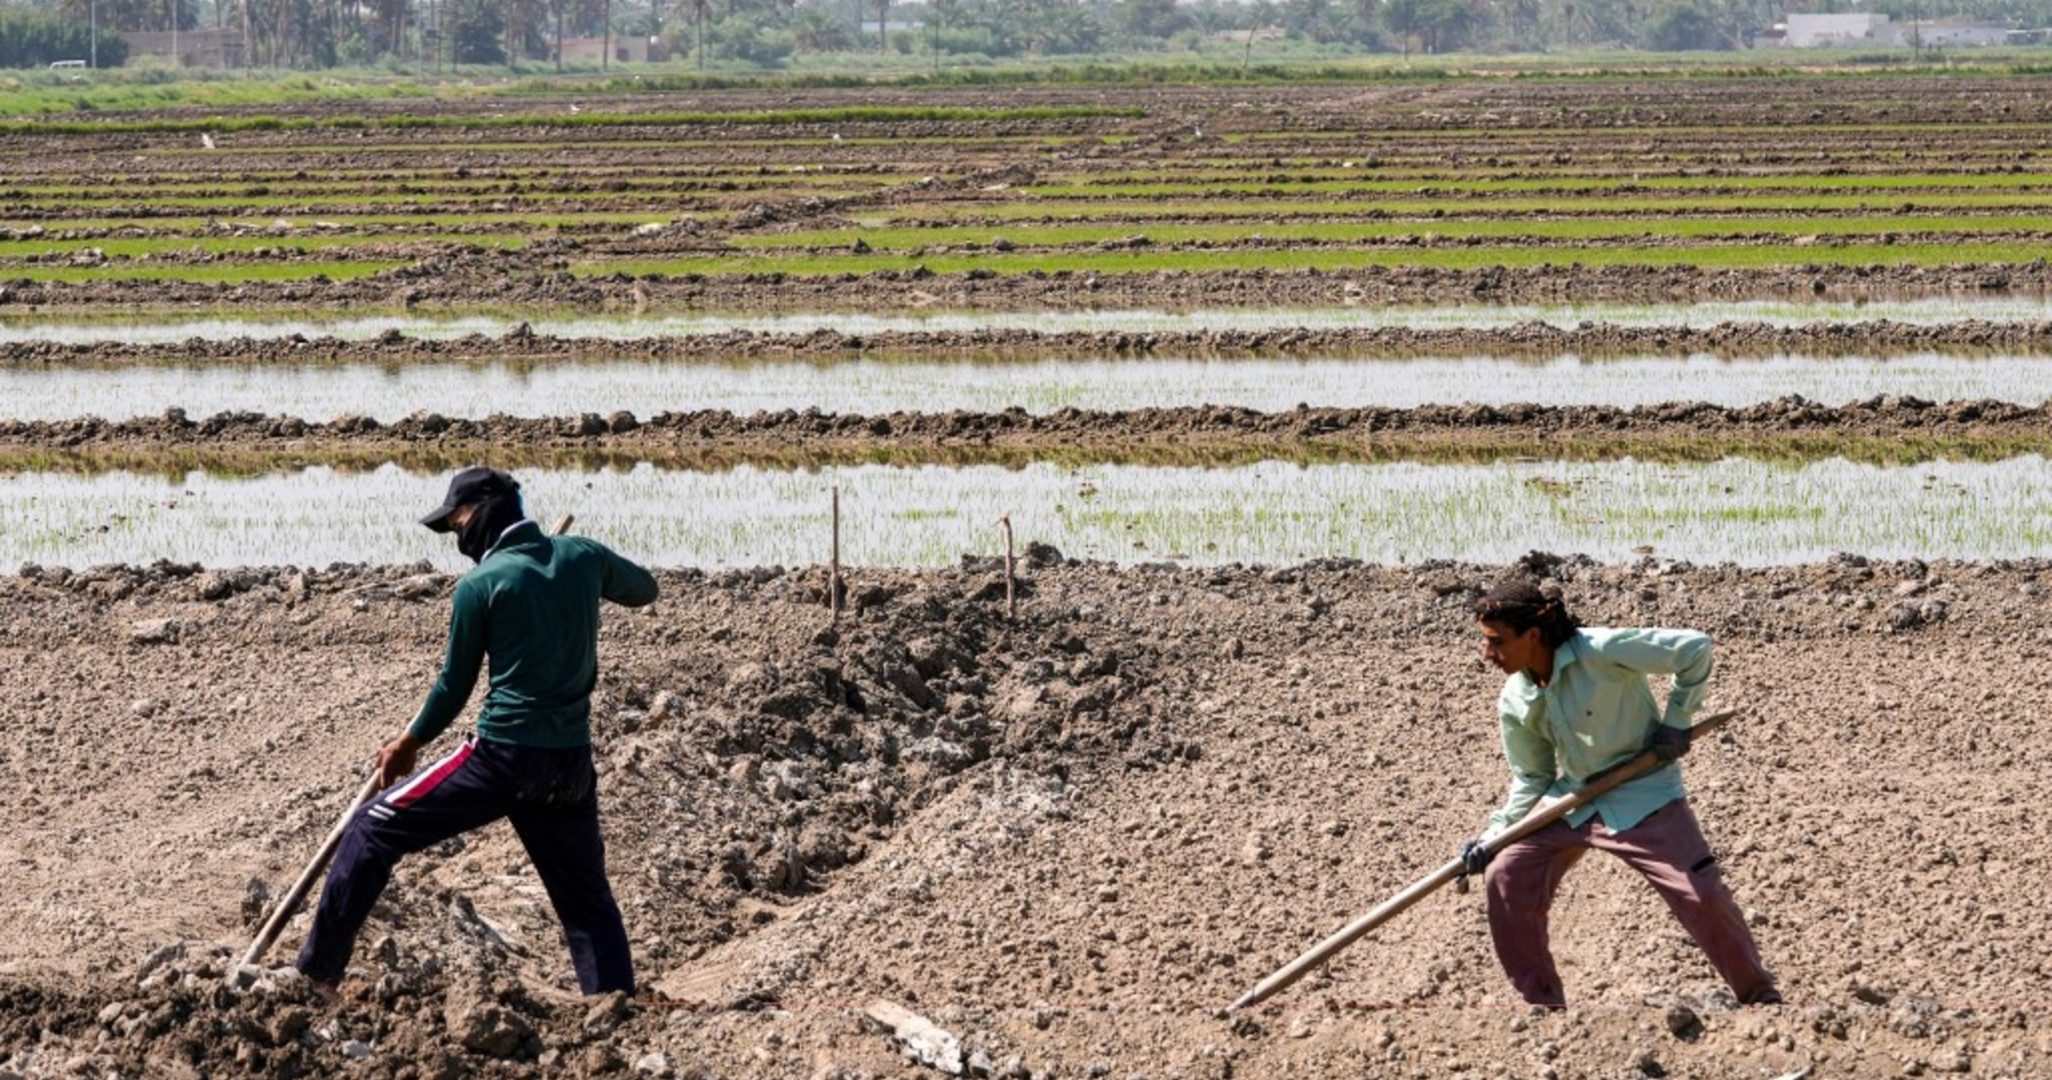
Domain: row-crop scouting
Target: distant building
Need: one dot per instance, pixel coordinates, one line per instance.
(187, 48)
(1958, 32)
(627, 49)
(1873, 28)
(1258, 34)
(1819, 31)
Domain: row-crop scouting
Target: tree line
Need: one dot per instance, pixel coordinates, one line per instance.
(32, 38)
(770, 33)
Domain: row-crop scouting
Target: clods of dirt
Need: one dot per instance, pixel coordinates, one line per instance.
(1065, 839)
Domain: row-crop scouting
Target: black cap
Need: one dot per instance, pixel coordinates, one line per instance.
(467, 487)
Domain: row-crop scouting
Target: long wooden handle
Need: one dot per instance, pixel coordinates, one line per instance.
(294, 897)
(1541, 816)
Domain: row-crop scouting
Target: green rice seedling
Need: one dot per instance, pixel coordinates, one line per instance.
(214, 272)
(301, 242)
(854, 114)
(1482, 182)
(1442, 200)
(1733, 510)
(1579, 229)
(1130, 210)
(456, 223)
(1718, 256)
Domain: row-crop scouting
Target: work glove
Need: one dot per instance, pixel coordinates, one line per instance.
(1474, 856)
(1669, 743)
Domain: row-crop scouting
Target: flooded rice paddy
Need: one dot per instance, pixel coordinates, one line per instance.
(870, 387)
(171, 329)
(1733, 510)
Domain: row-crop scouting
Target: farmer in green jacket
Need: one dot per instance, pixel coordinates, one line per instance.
(1575, 705)
(532, 607)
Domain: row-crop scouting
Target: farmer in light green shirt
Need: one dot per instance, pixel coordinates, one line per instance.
(1576, 704)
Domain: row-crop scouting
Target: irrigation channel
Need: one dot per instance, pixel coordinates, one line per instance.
(1729, 511)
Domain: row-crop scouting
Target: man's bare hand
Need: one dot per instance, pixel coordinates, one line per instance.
(396, 759)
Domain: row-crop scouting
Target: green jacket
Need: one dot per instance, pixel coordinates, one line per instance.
(532, 606)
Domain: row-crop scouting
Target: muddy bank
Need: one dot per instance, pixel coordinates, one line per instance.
(1065, 838)
(1878, 337)
(495, 281)
(1887, 428)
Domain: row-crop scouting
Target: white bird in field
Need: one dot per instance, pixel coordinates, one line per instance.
(574, 108)
(206, 140)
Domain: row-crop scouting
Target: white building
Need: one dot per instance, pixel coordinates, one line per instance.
(1952, 33)
(1873, 28)
(1817, 31)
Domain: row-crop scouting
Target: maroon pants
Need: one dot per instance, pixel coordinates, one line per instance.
(1668, 849)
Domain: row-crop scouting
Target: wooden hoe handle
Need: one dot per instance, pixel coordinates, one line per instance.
(1541, 816)
(296, 896)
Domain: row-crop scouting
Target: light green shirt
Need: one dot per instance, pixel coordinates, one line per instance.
(1596, 712)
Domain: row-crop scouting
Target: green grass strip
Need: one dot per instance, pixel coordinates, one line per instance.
(1736, 256)
(648, 147)
(1759, 204)
(1034, 213)
(203, 273)
(1609, 192)
(417, 223)
(384, 199)
(854, 114)
(638, 182)
(1349, 232)
(1366, 180)
(309, 240)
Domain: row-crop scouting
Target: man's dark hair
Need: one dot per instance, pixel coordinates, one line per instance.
(1517, 603)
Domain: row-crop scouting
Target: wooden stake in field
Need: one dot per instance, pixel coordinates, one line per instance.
(1541, 816)
(295, 896)
(1011, 593)
(834, 562)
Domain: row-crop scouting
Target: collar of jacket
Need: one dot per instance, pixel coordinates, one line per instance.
(523, 532)
(1570, 651)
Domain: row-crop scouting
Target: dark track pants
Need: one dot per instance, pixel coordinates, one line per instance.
(1669, 850)
(551, 797)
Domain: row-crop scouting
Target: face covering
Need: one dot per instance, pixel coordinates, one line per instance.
(493, 515)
